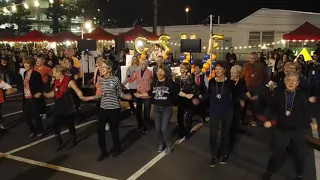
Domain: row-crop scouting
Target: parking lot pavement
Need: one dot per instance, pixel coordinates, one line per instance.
(37, 159)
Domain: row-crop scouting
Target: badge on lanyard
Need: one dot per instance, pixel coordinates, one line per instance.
(313, 72)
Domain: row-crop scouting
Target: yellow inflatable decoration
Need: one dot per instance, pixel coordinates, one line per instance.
(142, 46)
(305, 54)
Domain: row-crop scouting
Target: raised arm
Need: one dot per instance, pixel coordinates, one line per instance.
(72, 84)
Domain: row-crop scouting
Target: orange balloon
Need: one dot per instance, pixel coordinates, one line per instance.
(208, 61)
(186, 61)
(206, 66)
(192, 70)
(165, 56)
(213, 74)
(143, 56)
(214, 57)
(204, 70)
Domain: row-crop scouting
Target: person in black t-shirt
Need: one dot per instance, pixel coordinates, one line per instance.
(164, 92)
(292, 110)
(240, 92)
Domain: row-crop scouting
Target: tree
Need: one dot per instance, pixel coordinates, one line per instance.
(69, 12)
(54, 12)
(64, 12)
(19, 17)
(98, 12)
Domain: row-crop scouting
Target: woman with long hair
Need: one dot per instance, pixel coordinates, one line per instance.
(64, 103)
(133, 85)
(164, 92)
(111, 92)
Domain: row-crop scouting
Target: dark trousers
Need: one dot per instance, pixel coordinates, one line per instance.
(110, 116)
(146, 103)
(185, 124)
(202, 108)
(215, 119)
(59, 120)
(254, 104)
(162, 116)
(1, 116)
(280, 143)
(235, 125)
(132, 91)
(31, 112)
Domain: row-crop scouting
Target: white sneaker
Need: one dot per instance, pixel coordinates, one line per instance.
(107, 127)
(2, 127)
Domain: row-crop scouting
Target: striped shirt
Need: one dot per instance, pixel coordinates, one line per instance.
(111, 91)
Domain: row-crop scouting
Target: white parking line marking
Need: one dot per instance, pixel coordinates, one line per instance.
(47, 138)
(58, 168)
(156, 159)
(18, 112)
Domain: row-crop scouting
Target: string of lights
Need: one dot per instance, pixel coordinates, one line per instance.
(26, 5)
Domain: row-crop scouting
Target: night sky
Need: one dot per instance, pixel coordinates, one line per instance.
(172, 12)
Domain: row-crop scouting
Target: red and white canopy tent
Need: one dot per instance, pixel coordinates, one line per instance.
(6, 36)
(306, 32)
(32, 36)
(139, 31)
(64, 38)
(100, 35)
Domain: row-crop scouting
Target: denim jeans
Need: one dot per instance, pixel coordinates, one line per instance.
(162, 116)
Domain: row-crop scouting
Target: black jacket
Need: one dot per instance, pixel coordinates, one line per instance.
(36, 86)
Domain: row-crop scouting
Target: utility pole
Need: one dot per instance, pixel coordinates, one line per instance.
(155, 16)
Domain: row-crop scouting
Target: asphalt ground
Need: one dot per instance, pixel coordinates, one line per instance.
(23, 159)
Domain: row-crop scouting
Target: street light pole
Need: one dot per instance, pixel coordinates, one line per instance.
(187, 14)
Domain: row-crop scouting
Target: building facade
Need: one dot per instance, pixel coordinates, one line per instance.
(263, 29)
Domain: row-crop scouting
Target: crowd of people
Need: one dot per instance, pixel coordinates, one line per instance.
(281, 85)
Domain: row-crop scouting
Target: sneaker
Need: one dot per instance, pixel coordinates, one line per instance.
(169, 150)
(266, 176)
(40, 135)
(2, 127)
(213, 162)
(224, 160)
(145, 130)
(32, 135)
(160, 148)
(44, 116)
(102, 156)
(107, 127)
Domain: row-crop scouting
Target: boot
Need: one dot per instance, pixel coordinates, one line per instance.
(59, 143)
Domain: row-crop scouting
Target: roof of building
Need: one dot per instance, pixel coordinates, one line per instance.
(277, 10)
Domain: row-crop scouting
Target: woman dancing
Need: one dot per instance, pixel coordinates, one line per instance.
(8, 90)
(111, 92)
(292, 110)
(32, 97)
(64, 103)
(164, 92)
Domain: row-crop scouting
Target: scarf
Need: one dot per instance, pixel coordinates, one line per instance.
(60, 87)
